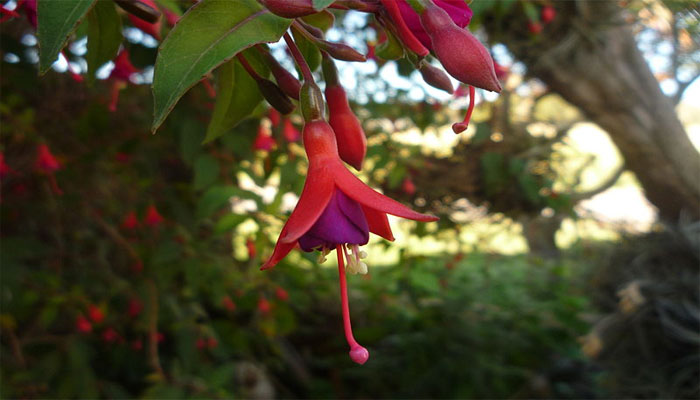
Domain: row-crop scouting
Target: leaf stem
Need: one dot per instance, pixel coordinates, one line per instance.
(248, 67)
(301, 62)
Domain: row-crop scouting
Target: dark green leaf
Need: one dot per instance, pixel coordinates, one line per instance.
(104, 36)
(206, 170)
(57, 20)
(237, 97)
(210, 33)
(321, 4)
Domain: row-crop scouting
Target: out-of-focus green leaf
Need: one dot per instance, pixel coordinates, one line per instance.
(323, 20)
(206, 170)
(104, 36)
(210, 33)
(57, 20)
(391, 49)
(311, 53)
(321, 4)
(237, 96)
(217, 196)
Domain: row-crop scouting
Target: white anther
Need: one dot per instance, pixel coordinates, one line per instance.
(363, 268)
(363, 254)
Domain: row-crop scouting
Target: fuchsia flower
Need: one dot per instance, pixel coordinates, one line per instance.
(153, 217)
(135, 308)
(337, 211)
(82, 325)
(281, 294)
(228, 304)
(46, 163)
(152, 29)
(458, 10)
(123, 69)
(95, 314)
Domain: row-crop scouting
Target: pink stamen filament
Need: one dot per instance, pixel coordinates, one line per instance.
(462, 126)
(358, 353)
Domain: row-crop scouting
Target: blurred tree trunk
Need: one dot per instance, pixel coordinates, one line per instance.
(588, 55)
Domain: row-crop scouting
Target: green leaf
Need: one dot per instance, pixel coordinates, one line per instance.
(218, 196)
(209, 34)
(321, 4)
(104, 36)
(206, 170)
(237, 97)
(57, 20)
(311, 53)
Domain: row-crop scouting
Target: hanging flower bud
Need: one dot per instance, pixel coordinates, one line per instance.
(46, 162)
(281, 294)
(408, 186)
(351, 139)
(228, 304)
(289, 8)
(462, 55)
(153, 217)
(286, 81)
(458, 10)
(264, 306)
(110, 335)
(435, 77)
(534, 27)
(275, 96)
(290, 132)
(341, 51)
(403, 32)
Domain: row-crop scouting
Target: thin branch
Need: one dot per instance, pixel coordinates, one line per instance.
(607, 184)
(682, 86)
(299, 58)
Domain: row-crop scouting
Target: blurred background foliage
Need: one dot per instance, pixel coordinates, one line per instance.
(102, 297)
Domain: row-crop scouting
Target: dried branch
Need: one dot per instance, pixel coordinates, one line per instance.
(607, 184)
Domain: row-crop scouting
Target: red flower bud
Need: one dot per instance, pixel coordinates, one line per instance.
(289, 84)
(153, 217)
(352, 143)
(201, 343)
(408, 187)
(212, 342)
(281, 294)
(130, 221)
(462, 55)
(82, 325)
(548, 14)
(436, 77)
(95, 314)
(289, 8)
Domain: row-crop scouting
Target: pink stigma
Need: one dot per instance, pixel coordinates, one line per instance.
(358, 353)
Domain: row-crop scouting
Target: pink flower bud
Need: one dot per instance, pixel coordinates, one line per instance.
(436, 77)
(228, 304)
(201, 343)
(110, 335)
(352, 143)
(408, 187)
(212, 343)
(289, 8)
(264, 306)
(462, 55)
(534, 27)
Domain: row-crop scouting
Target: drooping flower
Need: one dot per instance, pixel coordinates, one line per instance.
(458, 10)
(548, 14)
(151, 28)
(337, 211)
(46, 163)
(82, 325)
(281, 294)
(120, 75)
(462, 55)
(228, 304)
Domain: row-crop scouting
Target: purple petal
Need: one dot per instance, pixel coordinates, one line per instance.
(458, 10)
(341, 222)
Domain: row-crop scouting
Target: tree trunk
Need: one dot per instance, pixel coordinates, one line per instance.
(588, 55)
